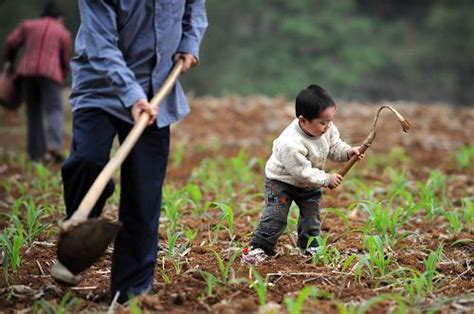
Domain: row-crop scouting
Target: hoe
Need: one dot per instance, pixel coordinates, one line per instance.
(83, 241)
(368, 141)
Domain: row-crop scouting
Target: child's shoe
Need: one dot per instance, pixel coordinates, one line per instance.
(253, 256)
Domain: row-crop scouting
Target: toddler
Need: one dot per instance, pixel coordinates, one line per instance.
(294, 172)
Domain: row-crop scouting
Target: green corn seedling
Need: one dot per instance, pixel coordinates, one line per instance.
(34, 227)
(7, 187)
(166, 278)
(430, 266)
(359, 267)
(362, 191)
(240, 168)
(432, 193)
(396, 156)
(178, 154)
(454, 219)
(295, 305)
(226, 219)
(419, 284)
(465, 156)
(468, 210)
(345, 308)
(49, 209)
(292, 220)
(212, 282)
(193, 191)
(211, 176)
(260, 287)
(173, 201)
(21, 187)
(172, 238)
(401, 304)
(410, 281)
(42, 177)
(384, 221)
(220, 176)
(348, 262)
(415, 287)
(340, 213)
(11, 240)
(178, 265)
(28, 166)
(377, 255)
(324, 255)
(225, 269)
(334, 257)
(134, 307)
(399, 183)
(190, 235)
(68, 304)
(17, 204)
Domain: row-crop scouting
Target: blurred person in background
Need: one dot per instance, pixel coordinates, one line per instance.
(44, 63)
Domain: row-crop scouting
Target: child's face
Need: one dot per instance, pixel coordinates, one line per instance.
(318, 126)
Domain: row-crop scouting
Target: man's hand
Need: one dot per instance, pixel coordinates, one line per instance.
(334, 180)
(189, 61)
(355, 151)
(143, 105)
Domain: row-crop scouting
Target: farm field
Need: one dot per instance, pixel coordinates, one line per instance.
(397, 235)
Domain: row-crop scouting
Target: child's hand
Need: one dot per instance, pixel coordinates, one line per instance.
(355, 151)
(334, 180)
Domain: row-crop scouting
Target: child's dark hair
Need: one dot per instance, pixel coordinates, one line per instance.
(51, 10)
(311, 101)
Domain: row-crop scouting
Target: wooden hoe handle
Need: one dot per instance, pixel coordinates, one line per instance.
(99, 184)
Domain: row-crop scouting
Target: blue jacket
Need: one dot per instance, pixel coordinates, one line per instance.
(124, 51)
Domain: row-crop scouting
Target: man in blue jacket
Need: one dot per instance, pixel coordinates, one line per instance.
(123, 52)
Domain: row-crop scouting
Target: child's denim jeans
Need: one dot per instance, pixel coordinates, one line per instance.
(278, 198)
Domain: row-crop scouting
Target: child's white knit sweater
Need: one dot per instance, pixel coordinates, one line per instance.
(298, 158)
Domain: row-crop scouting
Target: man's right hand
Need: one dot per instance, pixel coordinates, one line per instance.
(334, 180)
(143, 105)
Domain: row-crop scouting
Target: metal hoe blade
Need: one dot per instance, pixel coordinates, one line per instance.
(82, 245)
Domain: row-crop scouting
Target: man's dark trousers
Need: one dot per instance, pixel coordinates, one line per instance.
(142, 175)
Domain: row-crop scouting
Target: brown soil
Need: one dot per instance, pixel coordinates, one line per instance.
(234, 123)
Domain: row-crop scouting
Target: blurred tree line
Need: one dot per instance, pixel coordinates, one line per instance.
(358, 49)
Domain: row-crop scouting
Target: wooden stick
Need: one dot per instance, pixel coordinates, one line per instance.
(368, 141)
(84, 288)
(40, 268)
